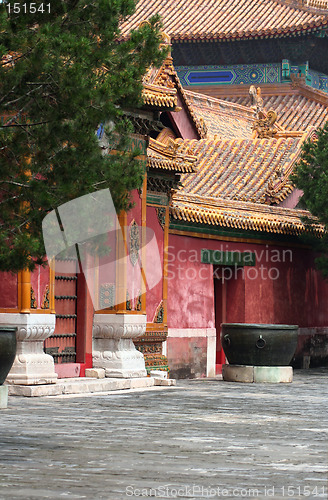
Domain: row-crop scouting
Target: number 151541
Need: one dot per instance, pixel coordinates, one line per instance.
(27, 8)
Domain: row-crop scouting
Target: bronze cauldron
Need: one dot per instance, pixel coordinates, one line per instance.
(7, 350)
(259, 344)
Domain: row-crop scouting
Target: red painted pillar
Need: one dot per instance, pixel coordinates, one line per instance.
(85, 313)
(220, 317)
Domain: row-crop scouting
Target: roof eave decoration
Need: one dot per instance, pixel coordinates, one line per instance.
(244, 35)
(265, 125)
(161, 87)
(280, 186)
(155, 97)
(317, 4)
(232, 20)
(241, 216)
(158, 87)
(173, 156)
(169, 165)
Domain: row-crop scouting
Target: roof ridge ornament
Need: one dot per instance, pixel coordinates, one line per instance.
(256, 99)
(265, 125)
(166, 38)
(162, 77)
(265, 121)
(177, 149)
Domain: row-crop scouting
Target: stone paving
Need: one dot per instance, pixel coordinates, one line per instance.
(201, 439)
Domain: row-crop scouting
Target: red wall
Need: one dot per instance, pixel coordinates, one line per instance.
(297, 295)
(155, 294)
(236, 299)
(182, 123)
(187, 357)
(190, 285)
(9, 287)
(8, 290)
(283, 287)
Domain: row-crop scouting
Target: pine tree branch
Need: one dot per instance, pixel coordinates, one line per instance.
(15, 183)
(8, 93)
(9, 199)
(13, 119)
(23, 125)
(10, 103)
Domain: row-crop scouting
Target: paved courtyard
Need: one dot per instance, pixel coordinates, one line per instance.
(202, 439)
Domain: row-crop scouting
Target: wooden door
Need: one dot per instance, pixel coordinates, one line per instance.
(62, 344)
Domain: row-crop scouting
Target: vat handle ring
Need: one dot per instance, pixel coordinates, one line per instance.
(260, 343)
(227, 339)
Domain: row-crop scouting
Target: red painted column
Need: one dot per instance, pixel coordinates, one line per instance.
(85, 312)
(220, 317)
(222, 358)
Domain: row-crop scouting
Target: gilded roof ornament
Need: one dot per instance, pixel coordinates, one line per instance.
(203, 126)
(166, 39)
(256, 99)
(265, 121)
(265, 125)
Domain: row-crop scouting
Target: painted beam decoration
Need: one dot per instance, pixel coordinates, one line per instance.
(251, 74)
(233, 258)
(236, 74)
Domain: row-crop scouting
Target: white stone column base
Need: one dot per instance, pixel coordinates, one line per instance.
(31, 366)
(3, 397)
(258, 374)
(113, 348)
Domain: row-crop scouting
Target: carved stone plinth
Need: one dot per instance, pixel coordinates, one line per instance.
(113, 348)
(31, 366)
(257, 374)
(150, 344)
(3, 397)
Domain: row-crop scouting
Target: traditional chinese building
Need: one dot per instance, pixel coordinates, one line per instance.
(217, 196)
(241, 198)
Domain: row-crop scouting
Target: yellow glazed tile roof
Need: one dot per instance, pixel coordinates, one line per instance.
(255, 170)
(161, 88)
(222, 118)
(158, 87)
(239, 178)
(227, 19)
(174, 156)
(157, 98)
(239, 215)
(295, 112)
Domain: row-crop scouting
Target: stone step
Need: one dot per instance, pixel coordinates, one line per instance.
(84, 385)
